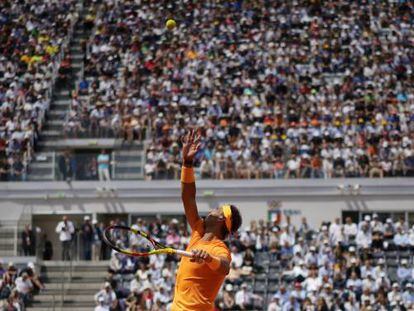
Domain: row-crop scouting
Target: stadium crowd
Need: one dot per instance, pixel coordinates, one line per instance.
(293, 89)
(338, 266)
(17, 286)
(32, 37)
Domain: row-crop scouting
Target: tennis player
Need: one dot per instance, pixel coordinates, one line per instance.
(199, 278)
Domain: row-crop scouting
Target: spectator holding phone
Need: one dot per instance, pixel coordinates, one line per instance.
(65, 229)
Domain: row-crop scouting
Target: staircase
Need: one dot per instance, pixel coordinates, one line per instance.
(69, 288)
(8, 237)
(42, 168)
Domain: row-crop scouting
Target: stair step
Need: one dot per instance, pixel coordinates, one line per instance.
(43, 157)
(62, 102)
(41, 165)
(57, 115)
(40, 177)
(101, 269)
(74, 298)
(77, 264)
(7, 234)
(74, 286)
(71, 292)
(6, 241)
(51, 133)
(55, 308)
(69, 305)
(75, 274)
(75, 48)
(7, 253)
(76, 279)
(59, 122)
(62, 92)
(6, 247)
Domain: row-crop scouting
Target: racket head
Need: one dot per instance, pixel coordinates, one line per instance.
(133, 242)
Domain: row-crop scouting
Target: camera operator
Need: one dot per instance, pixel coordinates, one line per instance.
(65, 229)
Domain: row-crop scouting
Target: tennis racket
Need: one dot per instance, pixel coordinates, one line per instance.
(132, 242)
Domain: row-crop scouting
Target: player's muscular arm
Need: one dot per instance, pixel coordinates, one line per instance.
(217, 263)
(188, 189)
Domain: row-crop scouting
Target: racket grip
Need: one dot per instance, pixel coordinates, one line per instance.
(183, 253)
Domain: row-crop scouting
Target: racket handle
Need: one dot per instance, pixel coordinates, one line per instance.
(183, 253)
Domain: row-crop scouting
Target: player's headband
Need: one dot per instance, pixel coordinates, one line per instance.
(227, 216)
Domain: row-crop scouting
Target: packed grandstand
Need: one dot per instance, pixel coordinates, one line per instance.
(275, 266)
(294, 89)
(277, 89)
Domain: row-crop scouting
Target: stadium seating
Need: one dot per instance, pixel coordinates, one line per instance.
(33, 37)
(271, 281)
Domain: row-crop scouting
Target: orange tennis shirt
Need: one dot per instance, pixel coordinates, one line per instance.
(196, 286)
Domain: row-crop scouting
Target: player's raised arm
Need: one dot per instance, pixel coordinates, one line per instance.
(188, 189)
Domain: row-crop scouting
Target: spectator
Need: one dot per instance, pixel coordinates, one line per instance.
(101, 305)
(404, 273)
(103, 166)
(65, 229)
(28, 241)
(96, 240)
(87, 235)
(244, 298)
(24, 287)
(108, 295)
(47, 248)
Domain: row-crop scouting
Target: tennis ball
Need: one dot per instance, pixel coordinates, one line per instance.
(170, 24)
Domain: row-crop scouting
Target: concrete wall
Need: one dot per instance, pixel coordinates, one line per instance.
(318, 200)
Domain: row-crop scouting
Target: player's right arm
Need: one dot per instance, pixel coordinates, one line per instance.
(188, 189)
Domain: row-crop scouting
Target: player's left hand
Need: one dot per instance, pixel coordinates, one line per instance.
(200, 256)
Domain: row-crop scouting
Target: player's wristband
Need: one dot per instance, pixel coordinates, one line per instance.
(214, 264)
(187, 175)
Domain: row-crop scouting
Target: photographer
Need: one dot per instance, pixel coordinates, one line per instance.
(65, 229)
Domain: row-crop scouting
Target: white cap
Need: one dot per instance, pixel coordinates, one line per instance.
(229, 287)
(312, 248)
(404, 261)
(86, 218)
(395, 285)
(367, 218)
(31, 265)
(94, 222)
(107, 284)
(352, 249)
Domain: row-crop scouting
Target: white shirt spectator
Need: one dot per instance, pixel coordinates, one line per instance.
(335, 233)
(350, 230)
(23, 285)
(237, 259)
(108, 296)
(401, 238)
(312, 283)
(364, 239)
(65, 230)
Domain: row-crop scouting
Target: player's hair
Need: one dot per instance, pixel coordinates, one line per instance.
(236, 220)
